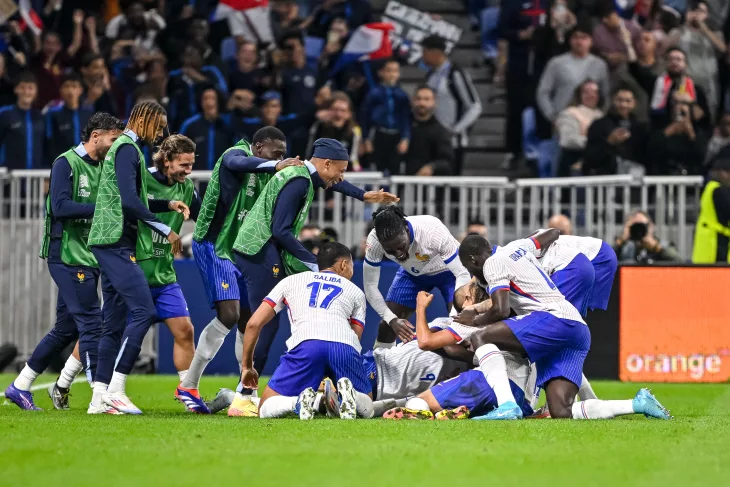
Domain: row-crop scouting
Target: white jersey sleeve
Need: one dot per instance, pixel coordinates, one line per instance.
(358, 314)
(277, 297)
(374, 252)
(497, 274)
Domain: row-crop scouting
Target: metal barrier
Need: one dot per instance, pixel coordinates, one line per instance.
(596, 205)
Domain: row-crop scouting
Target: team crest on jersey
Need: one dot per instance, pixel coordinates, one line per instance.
(422, 258)
(81, 276)
(371, 376)
(275, 270)
(225, 285)
(133, 258)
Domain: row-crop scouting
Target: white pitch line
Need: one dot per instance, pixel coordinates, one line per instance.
(38, 387)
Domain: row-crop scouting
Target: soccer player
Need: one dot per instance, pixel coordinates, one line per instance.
(117, 242)
(69, 208)
(327, 314)
(168, 180)
(429, 258)
(604, 261)
(239, 177)
(267, 249)
(547, 328)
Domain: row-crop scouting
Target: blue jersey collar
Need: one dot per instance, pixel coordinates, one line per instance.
(410, 231)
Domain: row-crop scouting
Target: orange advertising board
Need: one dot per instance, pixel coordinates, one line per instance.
(674, 324)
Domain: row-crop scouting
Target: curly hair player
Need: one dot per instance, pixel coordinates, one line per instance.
(428, 256)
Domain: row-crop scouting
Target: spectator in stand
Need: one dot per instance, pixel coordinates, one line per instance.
(637, 243)
(298, 81)
(719, 140)
(22, 128)
(517, 24)
(284, 17)
(198, 33)
(562, 76)
(617, 142)
(242, 104)
(19, 56)
(271, 117)
(339, 126)
(186, 85)
(355, 12)
(298, 85)
(52, 60)
(718, 11)
(246, 74)
(135, 24)
(562, 223)
(386, 120)
(457, 102)
(208, 130)
(712, 232)
(612, 36)
(663, 87)
(702, 46)
(647, 54)
(98, 85)
(6, 86)
(474, 227)
(679, 149)
(65, 121)
(433, 155)
(572, 125)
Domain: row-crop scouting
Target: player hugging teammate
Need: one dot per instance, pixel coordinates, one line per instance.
(516, 326)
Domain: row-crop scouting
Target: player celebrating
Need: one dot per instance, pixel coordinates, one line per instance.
(69, 208)
(266, 248)
(117, 243)
(429, 258)
(327, 314)
(168, 180)
(547, 328)
(604, 261)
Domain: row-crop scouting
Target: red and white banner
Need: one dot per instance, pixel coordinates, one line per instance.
(31, 20)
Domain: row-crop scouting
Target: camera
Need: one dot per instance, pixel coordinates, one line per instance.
(638, 231)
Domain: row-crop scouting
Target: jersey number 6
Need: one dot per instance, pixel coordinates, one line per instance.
(331, 290)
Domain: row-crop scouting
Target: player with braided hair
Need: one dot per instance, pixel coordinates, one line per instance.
(120, 235)
(429, 258)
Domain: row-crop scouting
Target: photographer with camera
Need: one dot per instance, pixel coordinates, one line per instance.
(638, 244)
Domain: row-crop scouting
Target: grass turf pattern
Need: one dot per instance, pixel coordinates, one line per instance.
(167, 446)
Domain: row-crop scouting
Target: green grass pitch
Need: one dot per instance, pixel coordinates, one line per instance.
(167, 446)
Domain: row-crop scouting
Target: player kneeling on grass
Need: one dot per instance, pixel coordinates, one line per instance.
(327, 314)
(547, 328)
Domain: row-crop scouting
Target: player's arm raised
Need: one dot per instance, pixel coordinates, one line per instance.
(544, 238)
(427, 339)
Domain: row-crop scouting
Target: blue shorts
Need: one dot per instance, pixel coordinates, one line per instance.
(471, 389)
(371, 371)
(221, 279)
(605, 265)
(313, 360)
(169, 301)
(405, 287)
(558, 347)
(575, 281)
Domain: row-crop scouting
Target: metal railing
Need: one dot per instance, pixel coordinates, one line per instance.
(596, 205)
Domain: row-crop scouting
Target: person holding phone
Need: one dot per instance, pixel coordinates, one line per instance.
(616, 143)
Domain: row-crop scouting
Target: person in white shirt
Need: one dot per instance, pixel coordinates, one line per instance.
(429, 258)
(547, 328)
(327, 316)
(604, 261)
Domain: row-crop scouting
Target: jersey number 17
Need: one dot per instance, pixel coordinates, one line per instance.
(328, 291)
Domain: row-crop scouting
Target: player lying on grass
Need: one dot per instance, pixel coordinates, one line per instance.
(547, 328)
(327, 314)
(428, 256)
